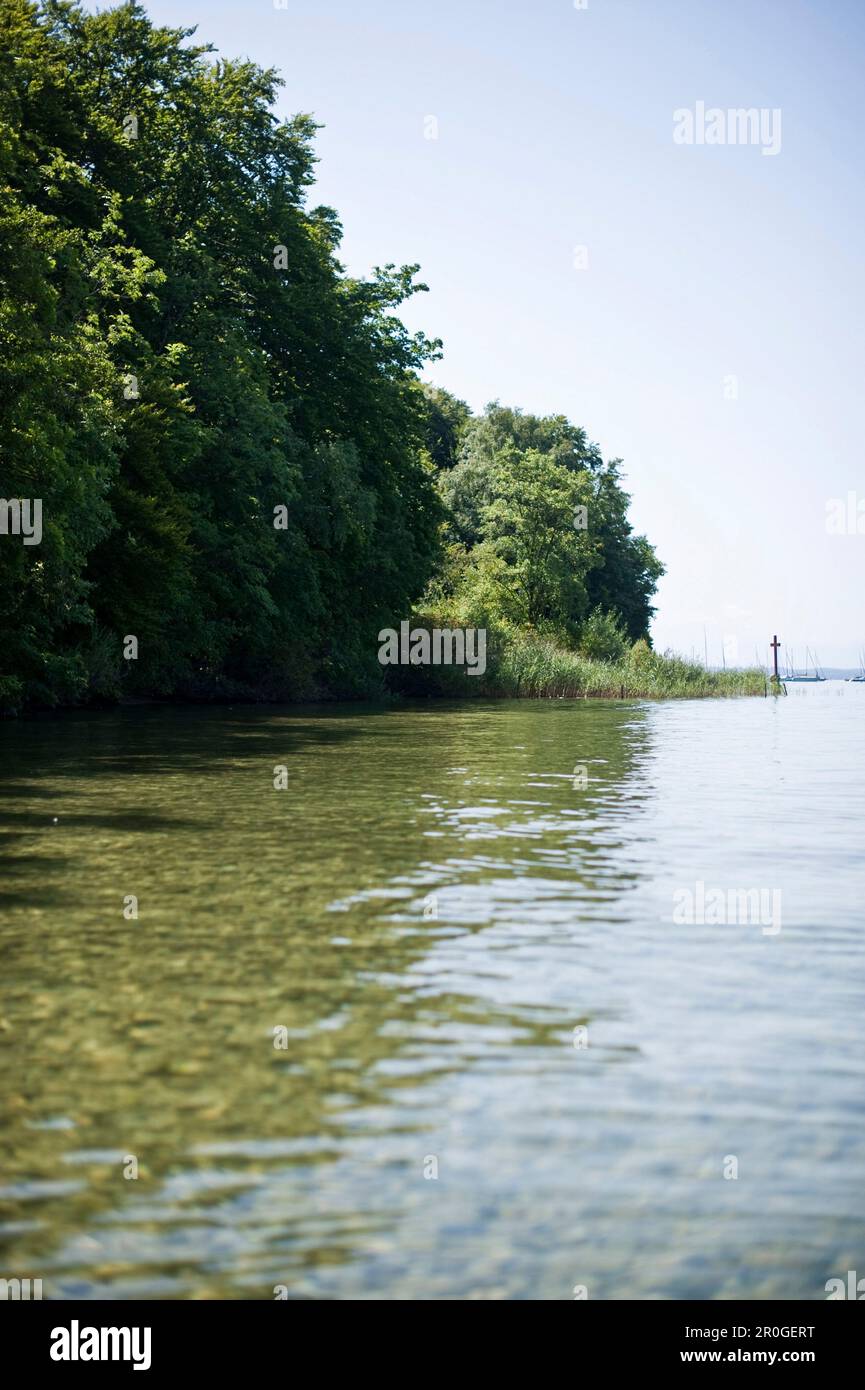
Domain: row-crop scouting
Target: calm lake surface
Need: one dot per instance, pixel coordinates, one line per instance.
(429, 910)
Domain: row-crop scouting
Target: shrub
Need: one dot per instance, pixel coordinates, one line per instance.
(603, 637)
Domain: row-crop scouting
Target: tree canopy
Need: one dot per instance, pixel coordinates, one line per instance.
(537, 531)
(238, 464)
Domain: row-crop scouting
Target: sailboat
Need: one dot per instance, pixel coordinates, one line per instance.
(804, 675)
(861, 675)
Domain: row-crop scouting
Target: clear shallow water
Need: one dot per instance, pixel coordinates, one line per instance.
(448, 1035)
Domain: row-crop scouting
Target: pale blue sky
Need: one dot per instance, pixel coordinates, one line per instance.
(555, 130)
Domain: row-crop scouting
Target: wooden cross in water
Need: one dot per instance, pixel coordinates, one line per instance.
(775, 644)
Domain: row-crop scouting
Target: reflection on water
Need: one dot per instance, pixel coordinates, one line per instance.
(429, 911)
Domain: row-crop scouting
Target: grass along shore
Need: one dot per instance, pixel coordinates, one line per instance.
(528, 666)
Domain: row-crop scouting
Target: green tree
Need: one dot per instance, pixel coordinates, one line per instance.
(446, 420)
(614, 570)
(627, 576)
(534, 557)
(603, 637)
(157, 228)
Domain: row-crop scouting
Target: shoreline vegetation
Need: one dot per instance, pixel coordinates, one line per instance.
(528, 666)
(239, 474)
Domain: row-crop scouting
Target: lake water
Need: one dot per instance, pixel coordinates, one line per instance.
(467, 922)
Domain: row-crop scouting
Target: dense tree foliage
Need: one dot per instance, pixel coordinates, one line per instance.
(182, 355)
(538, 535)
(446, 417)
(237, 464)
